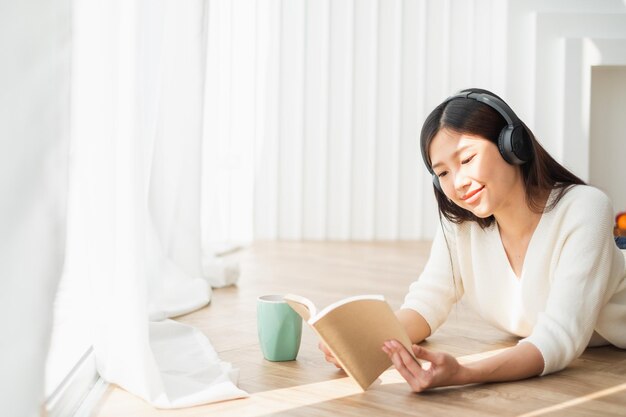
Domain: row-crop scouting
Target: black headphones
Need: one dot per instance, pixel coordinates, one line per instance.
(513, 142)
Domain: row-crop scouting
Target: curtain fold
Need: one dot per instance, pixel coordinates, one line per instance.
(137, 130)
(170, 128)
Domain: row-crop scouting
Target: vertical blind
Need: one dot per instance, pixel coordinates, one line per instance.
(318, 106)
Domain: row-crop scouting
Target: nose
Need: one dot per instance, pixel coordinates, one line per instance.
(461, 181)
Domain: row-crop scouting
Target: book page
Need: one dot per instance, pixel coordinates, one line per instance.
(302, 305)
(327, 309)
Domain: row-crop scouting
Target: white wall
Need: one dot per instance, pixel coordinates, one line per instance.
(608, 145)
(341, 89)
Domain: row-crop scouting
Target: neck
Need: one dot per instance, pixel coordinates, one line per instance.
(515, 219)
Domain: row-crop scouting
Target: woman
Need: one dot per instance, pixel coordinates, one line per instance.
(525, 241)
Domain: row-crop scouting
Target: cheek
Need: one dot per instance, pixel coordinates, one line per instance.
(486, 173)
(450, 193)
(447, 186)
(494, 171)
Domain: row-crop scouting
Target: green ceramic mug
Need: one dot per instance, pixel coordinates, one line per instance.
(280, 328)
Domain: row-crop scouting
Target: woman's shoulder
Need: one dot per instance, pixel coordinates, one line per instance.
(584, 195)
(584, 200)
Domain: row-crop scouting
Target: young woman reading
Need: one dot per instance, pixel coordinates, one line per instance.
(525, 241)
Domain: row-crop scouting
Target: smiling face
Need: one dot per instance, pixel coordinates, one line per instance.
(473, 174)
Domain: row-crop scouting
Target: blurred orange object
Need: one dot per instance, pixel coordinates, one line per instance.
(620, 220)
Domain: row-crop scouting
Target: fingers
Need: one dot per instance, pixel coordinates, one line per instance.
(328, 355)
(425, 354)
(405, 373)
(440, 369)
(406, 365)
(408, 360)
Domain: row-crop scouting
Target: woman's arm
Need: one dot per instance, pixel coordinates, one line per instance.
(519, 362)
(414, 323)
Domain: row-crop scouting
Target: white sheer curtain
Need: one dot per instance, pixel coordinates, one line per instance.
(234, 115)
(137, 91)
(137, 105)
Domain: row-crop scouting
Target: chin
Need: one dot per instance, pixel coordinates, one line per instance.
(482, 214)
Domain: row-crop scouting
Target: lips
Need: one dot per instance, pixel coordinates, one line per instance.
(472, 193)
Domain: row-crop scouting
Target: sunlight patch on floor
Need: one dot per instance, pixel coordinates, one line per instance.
(285, 399)
(576, 401)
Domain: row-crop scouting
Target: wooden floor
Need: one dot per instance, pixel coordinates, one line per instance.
(593, 385)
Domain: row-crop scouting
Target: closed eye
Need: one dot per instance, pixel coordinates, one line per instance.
(465, 161)
(442, 174)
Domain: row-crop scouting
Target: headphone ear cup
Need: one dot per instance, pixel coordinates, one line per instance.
(436, 182)
(521, 144)
(504, 144)
(514, 145)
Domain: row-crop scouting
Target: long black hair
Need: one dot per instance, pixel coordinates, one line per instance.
(541, 174)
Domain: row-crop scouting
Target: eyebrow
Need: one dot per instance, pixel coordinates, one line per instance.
(458, 151)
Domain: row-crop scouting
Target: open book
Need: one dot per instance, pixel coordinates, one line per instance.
(354, 329)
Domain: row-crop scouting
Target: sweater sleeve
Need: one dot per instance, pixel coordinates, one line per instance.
(579, 282)
(438, 287)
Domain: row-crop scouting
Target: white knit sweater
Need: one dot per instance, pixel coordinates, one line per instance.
(573, 279)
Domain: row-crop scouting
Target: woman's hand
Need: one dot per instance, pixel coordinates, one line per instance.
(328, 355)
(444, 369)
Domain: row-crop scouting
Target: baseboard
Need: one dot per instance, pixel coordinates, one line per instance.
(82, 383)
(92, 399)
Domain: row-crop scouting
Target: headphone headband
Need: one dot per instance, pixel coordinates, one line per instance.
(492, 101)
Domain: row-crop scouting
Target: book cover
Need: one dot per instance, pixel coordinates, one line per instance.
(354, 329)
